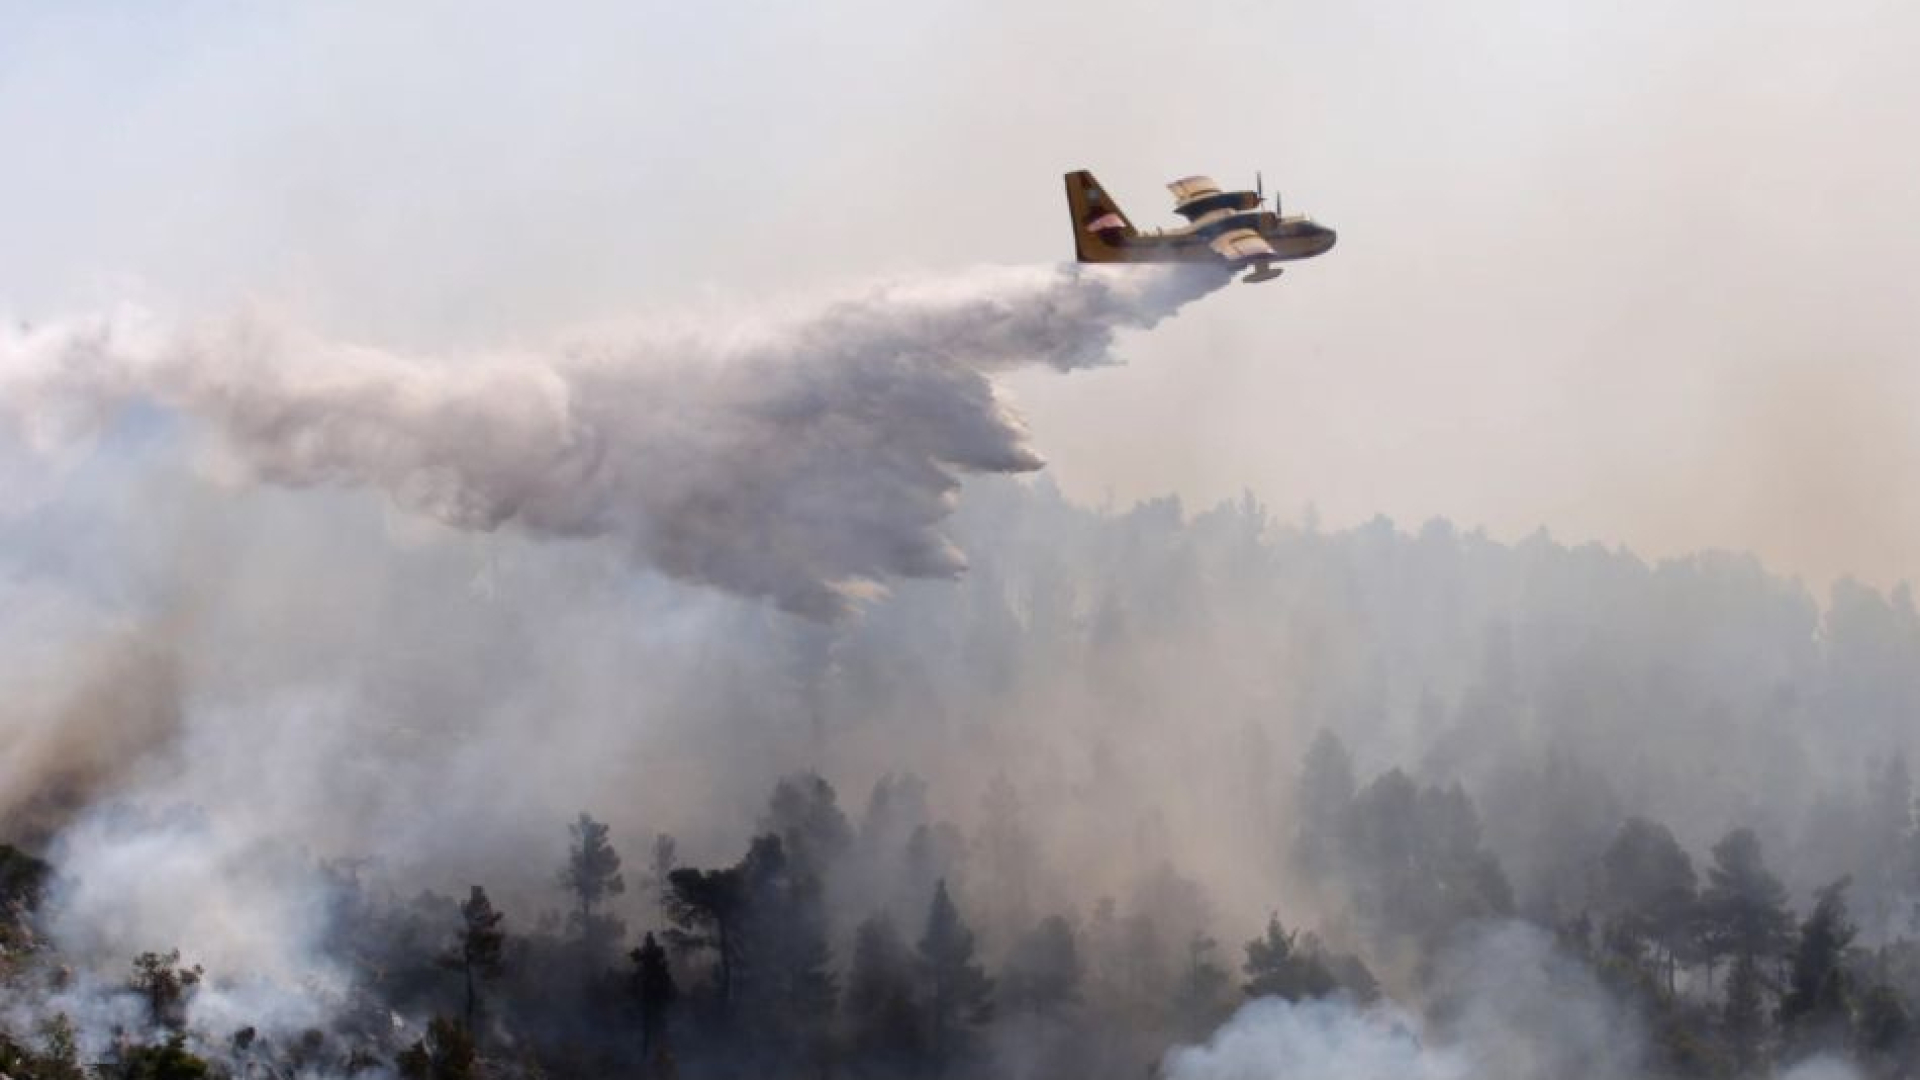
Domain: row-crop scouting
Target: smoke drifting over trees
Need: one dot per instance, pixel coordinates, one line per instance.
(311, 786)
(805, 462)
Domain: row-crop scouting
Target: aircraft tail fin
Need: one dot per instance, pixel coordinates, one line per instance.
(1098, 222)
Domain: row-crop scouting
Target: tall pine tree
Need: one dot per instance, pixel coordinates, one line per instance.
(478, 952)
(881, 1002)
(655, 992)
(1743, 909)
(1277, 967)
(592, 875)
(1816, 1012)
(959, 996)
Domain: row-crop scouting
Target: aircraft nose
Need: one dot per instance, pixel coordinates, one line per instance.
(1327, 238)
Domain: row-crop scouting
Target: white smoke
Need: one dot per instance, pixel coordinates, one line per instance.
(1328, 1039)
(1821, 1067)
(805, 460)
(1510, 1006)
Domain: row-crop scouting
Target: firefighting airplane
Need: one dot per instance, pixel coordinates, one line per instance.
(1228, 228)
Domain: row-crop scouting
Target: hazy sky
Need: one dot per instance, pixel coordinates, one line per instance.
(1641, 273)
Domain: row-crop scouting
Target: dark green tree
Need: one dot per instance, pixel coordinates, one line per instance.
(59, 1057)
(1467, 881)
(445, 1053)
(1911, 859)
(22, 879)
(1743, 909)
(1144, 967)
(706, 907)
(789, 980)
(655, 992)
(804, 812)
(166, 986)
(896, 807)
(1276, 967)
(1743, 1016)
(1816, 1012)
(1322, 801)
(1414, 861)
(1042, 973)
(1200, 997)
(1348, 970)
(1885, 1031)
(1007, 856)
(1647, 888)
(170, 1060)
(479, 949)
(592, 875)
(1886, 873)
(958, 994)
(881, 1004)
(713, 910)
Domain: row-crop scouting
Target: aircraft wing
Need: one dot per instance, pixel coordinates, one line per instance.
(1193, 187)
(1241, 245)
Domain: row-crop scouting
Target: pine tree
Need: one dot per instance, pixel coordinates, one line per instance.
(1886, 873)
(1043, 971)
(881, 1003)
(1199, 999)
(59, 1057)
(1008, 856)
(715, 909)
(592, 875)
(655, 991)
(1743, 1016)
(705, 907)
(1743, 909)
(22, 880)
(1911, 858)
(1321, 804)
(1275, 967)
(479, 949)
(166, 985)
(1648, 890)
(170, 1060)
(790, 963)
(1816, 1010)
(446, 1053)
(804, 812)
(1885, 1030)
(1415, 860)
(959, 996)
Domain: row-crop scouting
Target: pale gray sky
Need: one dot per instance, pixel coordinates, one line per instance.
(1642, 273)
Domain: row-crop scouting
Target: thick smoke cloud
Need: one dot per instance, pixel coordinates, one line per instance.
(279, 689)
(362, 684)
(1271, 1037)
(83, 698)
(1511, 1007)
(220, 698)
(805, 459)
